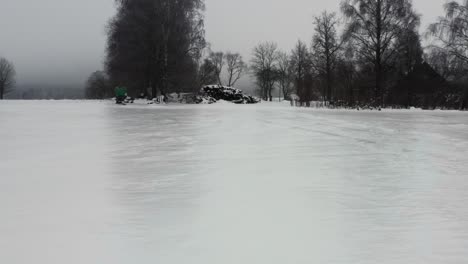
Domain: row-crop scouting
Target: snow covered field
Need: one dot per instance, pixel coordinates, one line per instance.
(92, 182)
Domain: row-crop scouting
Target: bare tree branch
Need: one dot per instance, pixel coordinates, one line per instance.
(7, 77)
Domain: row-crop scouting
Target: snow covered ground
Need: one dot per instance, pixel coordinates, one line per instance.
(92, 182)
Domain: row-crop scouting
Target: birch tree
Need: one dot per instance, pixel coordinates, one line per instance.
(452, 29)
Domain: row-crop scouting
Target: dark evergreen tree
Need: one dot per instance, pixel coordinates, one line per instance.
(155, 45)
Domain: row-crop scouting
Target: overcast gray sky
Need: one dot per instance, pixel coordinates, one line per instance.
(62, 41)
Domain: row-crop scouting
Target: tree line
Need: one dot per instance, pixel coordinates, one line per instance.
(369, 53)
(376, 60)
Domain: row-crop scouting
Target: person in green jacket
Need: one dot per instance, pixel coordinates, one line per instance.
(120, 94)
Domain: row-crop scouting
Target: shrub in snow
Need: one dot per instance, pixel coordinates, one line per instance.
(183, 98)
(205, 100)
(219, 92)
(209, 95)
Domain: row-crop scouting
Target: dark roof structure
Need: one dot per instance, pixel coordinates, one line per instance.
(420, 88)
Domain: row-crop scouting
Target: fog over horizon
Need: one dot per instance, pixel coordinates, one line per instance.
(60, 42)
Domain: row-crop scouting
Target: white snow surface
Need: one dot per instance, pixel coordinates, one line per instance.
(93, 182)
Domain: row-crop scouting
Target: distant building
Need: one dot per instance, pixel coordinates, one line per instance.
(422, 87)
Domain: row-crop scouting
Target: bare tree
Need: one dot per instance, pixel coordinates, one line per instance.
(301, 66)
(7, 77)
(264, 68)
(347, 76)
(217, 58)
(375, 26)
(452, 30)
(325, 47)
(236, 67)
(285, 74)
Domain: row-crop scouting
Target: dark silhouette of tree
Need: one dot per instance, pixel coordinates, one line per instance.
(409, 56)
(7, 77)
(235, 66)
(264, 68)
(375, 25)
(207, 73)
(285, 74)
(411, 52)
(301, 64)
(325, 47)
(347, 76)
(155, 44)
(98, 87)
(455, 70)
(217, 58)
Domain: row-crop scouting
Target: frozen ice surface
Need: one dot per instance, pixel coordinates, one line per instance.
(92, 182)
